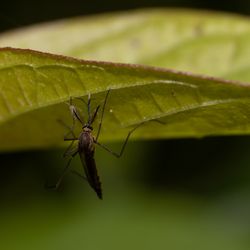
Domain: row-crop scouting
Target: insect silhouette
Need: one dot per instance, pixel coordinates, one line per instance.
(86, 145)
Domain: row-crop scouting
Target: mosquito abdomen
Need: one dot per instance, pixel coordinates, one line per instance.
(86, 149)
(92, 175)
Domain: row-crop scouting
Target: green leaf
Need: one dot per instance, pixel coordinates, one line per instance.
(202, 42)
(35, 86)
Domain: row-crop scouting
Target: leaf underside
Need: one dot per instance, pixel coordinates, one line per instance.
(35, 86)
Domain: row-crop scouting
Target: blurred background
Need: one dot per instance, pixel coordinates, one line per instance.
(171, 194)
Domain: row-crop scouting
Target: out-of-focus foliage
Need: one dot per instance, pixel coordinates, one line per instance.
(203, 42)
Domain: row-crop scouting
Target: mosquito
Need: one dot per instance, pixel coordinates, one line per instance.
(86, 145)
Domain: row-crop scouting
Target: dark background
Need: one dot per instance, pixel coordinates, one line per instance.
(18, 13)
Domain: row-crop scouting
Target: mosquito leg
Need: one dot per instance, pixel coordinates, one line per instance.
(66, 169)
(82, 100)
(118, 155)
(69, 150)
(71, 129)
(107, 149)
(74, 112)
(158, 121)
(88, 106)
(79, 175)
(74, 138)
(68, 127)
(71, 139)
(103, 109)
(94, 115)
(75, 116)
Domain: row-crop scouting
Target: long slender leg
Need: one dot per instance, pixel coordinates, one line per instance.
(74, 112)
(158, 121)
(89, 110)
(88, 104)
(95, 114)
(82, 100)
(68, 127)
(103, 109)
(79, 175)
(71, 139)
(118, 155)
(68, 149)
(66, 169)
(75, 116)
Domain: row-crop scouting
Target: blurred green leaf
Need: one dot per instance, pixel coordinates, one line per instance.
(196, 41)
(34, 87)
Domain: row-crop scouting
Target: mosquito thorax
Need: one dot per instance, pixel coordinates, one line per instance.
(87, 128)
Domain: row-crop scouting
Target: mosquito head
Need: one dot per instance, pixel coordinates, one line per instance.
(87, 128)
